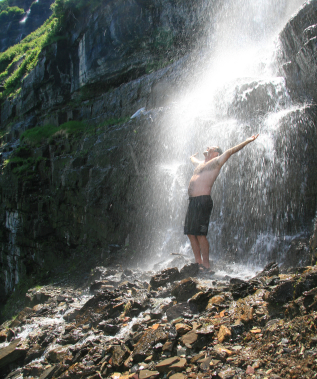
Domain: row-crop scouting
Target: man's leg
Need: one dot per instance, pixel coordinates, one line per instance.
(196, 248)
(204, 250)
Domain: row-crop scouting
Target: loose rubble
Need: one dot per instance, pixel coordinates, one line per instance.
(175, 324)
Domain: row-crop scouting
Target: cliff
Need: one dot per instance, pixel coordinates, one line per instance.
(96, 189)
(86, 195)
(17, 25)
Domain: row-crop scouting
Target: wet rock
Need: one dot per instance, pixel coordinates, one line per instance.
(57, 355)
(34, 369)
(10, 334)
(168, 275)
(13, 353)
(3, 336)
(182, 329)
(227, 374)
(21, 317)
(189, 270)
(156, 314)
(178, 310)
(237, 329)
(283, 293)
(35, 351)
(216, 300)
(36, 297)
(108, 327)
(143, 348)
(185, 289)
(243, 311)
(240, 288)
(201, 298)
(48, 372)
(119, 355)
(271, 269)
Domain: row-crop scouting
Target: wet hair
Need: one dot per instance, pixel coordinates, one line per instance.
(218, 150)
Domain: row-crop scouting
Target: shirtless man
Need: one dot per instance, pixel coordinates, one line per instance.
(200, 202)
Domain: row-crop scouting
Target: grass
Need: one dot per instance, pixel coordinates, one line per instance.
(19, 60)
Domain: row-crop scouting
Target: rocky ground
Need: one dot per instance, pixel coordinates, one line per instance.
(178, 323)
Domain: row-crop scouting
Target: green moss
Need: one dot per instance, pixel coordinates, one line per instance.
(46, 133)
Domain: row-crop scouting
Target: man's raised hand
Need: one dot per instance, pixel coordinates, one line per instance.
(251, 139)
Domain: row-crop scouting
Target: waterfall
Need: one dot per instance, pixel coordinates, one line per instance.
(261, 192)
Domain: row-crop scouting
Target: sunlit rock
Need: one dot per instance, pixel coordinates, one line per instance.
(14, 353)
(223, 334)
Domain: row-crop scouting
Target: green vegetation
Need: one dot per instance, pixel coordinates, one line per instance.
(11, 14)
(17, 61)
(20, 59)
(39, 134)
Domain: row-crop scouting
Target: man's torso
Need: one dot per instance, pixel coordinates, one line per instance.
(203, 179)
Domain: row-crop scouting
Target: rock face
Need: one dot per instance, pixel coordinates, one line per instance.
(117, 43)
(104, 193)
(14, 30)
(298, 58)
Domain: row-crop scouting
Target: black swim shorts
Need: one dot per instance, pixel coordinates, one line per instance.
(197, 216)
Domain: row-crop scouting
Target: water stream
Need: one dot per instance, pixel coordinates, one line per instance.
(260, 194)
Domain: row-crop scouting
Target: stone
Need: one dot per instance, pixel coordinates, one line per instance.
(12, 354)
(215, 300)
(283, 293)
(224, 334)
(179, 365)
(205, 363)
(34, 352)
(184, 290)
(149, 338)
(271, 269)
(177, 376)
(119, 355)
(166, 276)
(226, 374)
(250, 370)
(3, 336)
(164, 366)
(182, 328)
(145, 374)
(189, 338)
(189, 270)
(240, 288)
(178, 310)
(57, 355)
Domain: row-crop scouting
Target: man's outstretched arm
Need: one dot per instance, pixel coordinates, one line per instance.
(222, 159)
(194, 160)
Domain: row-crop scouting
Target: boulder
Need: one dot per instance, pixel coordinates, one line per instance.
(14, 353)
(185, 289)
(166, 276)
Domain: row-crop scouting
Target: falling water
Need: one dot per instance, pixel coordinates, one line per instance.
(259, 194)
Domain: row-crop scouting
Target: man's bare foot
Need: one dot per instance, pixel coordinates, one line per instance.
(206, 270)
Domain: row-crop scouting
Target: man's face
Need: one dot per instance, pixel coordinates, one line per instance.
(211, 152)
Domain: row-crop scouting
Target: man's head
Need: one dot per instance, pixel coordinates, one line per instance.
(212, 152)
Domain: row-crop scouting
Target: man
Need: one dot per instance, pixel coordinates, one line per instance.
(200, 202)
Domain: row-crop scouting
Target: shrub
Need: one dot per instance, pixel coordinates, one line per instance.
(11, 14)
